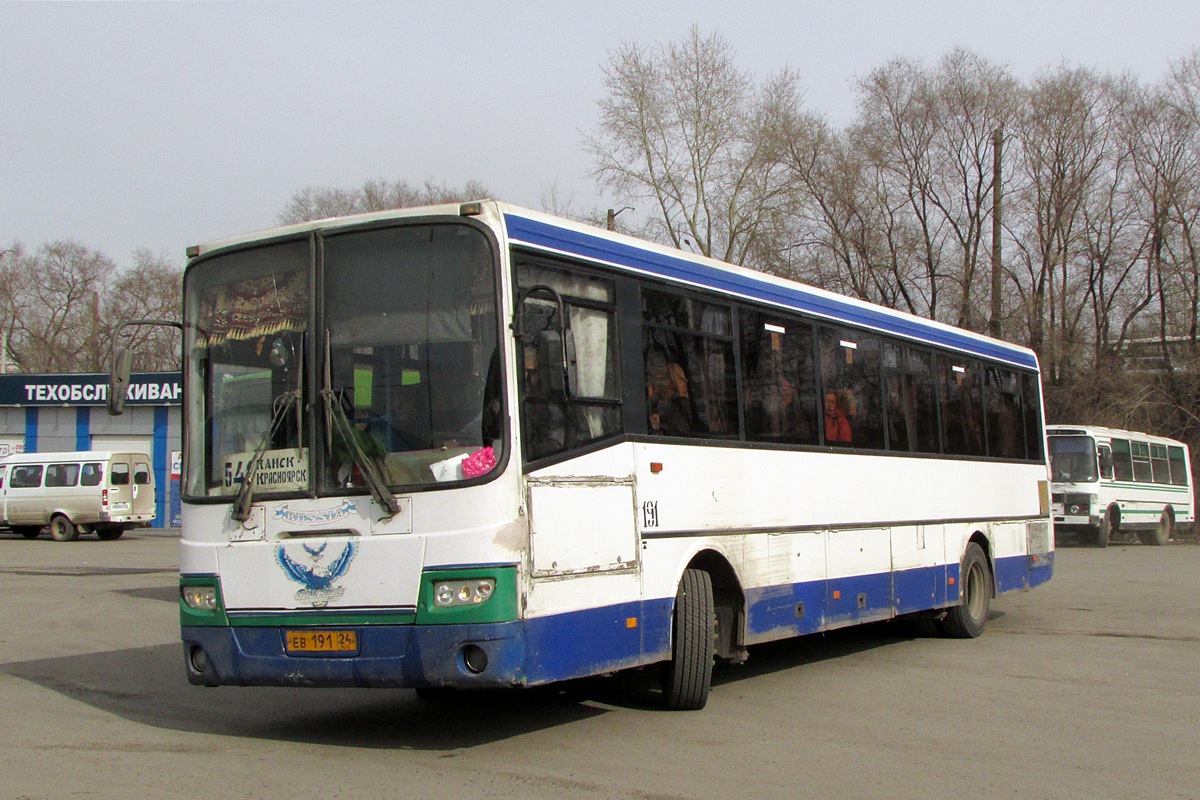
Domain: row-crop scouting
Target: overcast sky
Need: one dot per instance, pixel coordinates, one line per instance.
(161, 125)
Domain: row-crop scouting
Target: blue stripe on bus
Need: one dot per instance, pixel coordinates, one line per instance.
(596, 248)
(581, 643)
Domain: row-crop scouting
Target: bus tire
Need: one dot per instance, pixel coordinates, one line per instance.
(109, 533)
(687, 677)
(967, 619)
(62, 529)
(1165, 530)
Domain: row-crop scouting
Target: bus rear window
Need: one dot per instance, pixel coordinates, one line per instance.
(120, 474)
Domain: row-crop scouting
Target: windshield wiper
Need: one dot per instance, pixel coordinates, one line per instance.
(245, 494)
(341, 423)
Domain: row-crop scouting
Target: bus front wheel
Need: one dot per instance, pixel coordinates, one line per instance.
(1108, 527)
(687, 677)
(62, 529)
(966, 620)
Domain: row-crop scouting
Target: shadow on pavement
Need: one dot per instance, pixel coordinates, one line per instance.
(147, 685)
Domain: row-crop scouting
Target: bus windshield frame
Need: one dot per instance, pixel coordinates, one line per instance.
(1073, 459)
(391, 380)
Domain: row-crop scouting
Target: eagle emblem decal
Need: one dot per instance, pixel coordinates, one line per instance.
(317, 581)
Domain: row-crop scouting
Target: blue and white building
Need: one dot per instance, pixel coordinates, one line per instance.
(49, 413)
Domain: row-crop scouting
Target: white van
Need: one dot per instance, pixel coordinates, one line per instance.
(90, 491)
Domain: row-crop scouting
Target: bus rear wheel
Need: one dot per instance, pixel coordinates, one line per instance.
(1165, 530)
(687, 677)
(966, 620)
(62, 529)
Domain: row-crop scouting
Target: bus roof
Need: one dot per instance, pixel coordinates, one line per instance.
(543, 232)
(68, 455)
(1098, 430)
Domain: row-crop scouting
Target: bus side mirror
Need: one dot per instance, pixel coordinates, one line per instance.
(118, 382)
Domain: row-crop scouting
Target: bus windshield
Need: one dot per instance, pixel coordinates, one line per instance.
(405, 389)
(1073, 459)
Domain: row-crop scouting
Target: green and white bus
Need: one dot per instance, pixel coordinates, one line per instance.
(476, 445)
(1108, 482)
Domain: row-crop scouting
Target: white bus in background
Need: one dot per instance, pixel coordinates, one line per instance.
(476, 445)
(1107, 482)
(76, 492)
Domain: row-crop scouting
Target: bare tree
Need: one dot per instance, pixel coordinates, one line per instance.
(56, 317)
(1066, 152)
(151, 289)
(14, 279)
(313, 203)
(683, 131)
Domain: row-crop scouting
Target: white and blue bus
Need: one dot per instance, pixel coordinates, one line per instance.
(1107, 482)
(479, 446)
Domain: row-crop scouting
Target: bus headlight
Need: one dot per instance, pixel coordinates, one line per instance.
(201, 598)
(1077, 505)
(463, 593)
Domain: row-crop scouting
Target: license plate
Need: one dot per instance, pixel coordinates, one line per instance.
(321, 641)
(120, 506)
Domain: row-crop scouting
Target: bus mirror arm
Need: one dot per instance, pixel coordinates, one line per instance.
(570, 366)
(555, 346)
(122, 364)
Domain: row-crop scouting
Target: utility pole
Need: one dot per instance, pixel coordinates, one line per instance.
(612, 216)
(997, 145)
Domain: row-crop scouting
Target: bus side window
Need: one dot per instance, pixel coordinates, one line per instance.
(3, 472)
(141, 474)
(62, 474)
(1122, 460)
(1178, 467)
(27, 477)
(1104, 456)
(120, 474)
(92, 475)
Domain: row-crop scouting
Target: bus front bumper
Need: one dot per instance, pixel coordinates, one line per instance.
(470, 655)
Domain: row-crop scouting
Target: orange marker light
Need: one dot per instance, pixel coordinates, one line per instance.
(952, 581)
(631, 622)
(836, 594)
(655, 467)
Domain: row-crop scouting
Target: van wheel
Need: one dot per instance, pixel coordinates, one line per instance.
(109, 533)
(966, 620)
(686, 678)
(62, 529)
